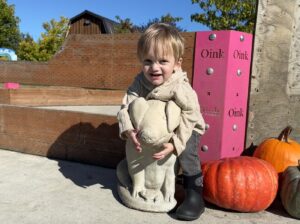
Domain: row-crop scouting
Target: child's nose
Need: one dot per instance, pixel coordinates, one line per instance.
(155, 66)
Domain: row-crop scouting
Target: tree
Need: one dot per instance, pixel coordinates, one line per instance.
(9, 26)
(49, 43)
(227, 15)
(28, 49)
(53, 38)
(164, 19)
(126, 26)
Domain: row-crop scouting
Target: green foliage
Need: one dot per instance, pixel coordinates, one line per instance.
(164, 19)
(54, 36)
(28, 49)
(227, 14)
(3, 58)
(126, 26)
(49, 43)
(9, 26)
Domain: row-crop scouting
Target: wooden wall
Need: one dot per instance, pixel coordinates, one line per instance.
(80, 26)
(275, 83)
(81, 137)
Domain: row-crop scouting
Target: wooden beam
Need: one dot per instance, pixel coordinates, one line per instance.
(60, 96)
(81, 137)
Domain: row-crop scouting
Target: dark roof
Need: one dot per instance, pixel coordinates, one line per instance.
(108, 23)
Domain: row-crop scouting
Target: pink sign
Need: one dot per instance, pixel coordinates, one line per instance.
(221, 80)
(11, 85)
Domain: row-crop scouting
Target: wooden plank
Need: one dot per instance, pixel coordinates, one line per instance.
(75, 136)
(60, 96)
(4, 96)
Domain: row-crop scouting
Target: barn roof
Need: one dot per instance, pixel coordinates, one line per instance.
(107, 23)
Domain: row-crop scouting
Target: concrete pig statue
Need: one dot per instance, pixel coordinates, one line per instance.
(145, 183)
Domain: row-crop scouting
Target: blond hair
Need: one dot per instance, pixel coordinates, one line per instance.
(164, 38)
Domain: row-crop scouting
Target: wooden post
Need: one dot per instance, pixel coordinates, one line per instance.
(275, 81)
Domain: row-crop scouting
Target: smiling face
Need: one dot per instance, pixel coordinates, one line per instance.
(158, 67)
(160, 50)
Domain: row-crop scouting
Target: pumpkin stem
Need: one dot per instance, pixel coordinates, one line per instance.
(285, 134)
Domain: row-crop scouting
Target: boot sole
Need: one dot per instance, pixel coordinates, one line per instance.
(189, 218)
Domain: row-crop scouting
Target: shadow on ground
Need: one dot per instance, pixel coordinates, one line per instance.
(84, 176)
(96, 151)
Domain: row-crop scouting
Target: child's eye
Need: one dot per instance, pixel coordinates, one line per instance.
(147, 62)
(163, 61)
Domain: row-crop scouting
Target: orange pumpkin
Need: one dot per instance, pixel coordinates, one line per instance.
(281, 152)
(244, 184)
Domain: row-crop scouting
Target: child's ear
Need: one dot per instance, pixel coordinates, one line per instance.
(178, 64)
(180, 61)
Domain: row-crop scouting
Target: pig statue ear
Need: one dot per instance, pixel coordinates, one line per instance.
(173, 113)
(137, 110)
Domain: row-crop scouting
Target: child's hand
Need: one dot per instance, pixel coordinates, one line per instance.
(132, 134)
(167, 149)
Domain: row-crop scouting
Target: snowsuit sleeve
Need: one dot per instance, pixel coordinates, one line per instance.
(125, 123)
(186, 98)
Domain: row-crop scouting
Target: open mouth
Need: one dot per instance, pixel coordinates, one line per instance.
(155, 75)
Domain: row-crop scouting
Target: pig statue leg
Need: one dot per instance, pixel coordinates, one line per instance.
(168, 187)
(135, 169)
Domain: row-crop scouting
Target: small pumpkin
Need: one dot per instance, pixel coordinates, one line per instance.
(244, 183)
(290, 190)
(281, 152)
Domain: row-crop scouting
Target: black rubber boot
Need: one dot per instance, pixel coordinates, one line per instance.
(193, 205)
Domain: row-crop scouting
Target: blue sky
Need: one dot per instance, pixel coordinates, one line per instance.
(33, 13)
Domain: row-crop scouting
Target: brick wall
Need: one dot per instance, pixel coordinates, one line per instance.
(91, 61)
